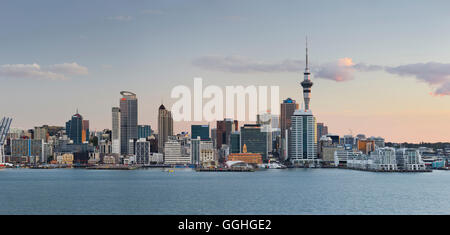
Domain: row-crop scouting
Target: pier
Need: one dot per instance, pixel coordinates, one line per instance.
(392, 171)
(112, 167)
(224, 170)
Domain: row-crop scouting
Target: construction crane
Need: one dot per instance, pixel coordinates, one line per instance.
(4, 129)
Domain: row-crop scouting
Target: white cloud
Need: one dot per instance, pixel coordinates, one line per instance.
(339, 71)
(444, 89)
(69, 68)
(35, 71)
(435, 74)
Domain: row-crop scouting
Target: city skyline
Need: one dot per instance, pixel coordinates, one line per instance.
(396, 87)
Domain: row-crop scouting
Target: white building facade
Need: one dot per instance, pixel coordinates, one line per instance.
(303, 139)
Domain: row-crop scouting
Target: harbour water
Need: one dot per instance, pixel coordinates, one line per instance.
(185, 191)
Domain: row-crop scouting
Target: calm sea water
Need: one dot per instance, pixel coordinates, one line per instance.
(293, 191)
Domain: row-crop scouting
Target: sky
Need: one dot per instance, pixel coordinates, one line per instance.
(381, 68)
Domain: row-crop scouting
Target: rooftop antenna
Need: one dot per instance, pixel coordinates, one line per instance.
(306, 51)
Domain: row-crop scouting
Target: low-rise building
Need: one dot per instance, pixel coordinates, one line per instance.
(249, 158)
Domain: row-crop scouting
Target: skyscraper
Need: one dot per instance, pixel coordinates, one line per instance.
(85, 131)
(128, 120)
(115, 132)
(287, 109)
(74, 128)
(224, 130)
(165, 127)
(144, 131)
(321, 130)
(303, 141)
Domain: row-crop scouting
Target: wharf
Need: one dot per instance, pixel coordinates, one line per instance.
(108, 167)
(224, 170)
(393, 171)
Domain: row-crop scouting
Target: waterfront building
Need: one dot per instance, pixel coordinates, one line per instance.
(111, 159)
(144, 131)
(201, 131)
(328, 157)
(142, 151)
(249, 158)
(303, 141)
(156, 158)
(409, 159)
(195, 150)
(208, 156)
(26, 147)
(65, 159)
(173, 153)
(128, 121)
(115, 131)
(384, 159)
(105, 147)
(165, 127)
(255, 140)
(342, 154)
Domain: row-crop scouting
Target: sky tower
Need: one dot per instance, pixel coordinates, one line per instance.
(306, 84)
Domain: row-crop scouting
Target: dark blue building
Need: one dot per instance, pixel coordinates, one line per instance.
(200, 130)
(144, 131)
(74, 128)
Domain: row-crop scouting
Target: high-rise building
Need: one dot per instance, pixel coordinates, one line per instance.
(287, 108)
(255, 140)
(303, 141)
(85, 131)
(195, 150)
(41, 133)
(165, 127)
(74, 128)
(115, 132)
(223, 131)
(128, 120)
(321, 130)
(173, 154)
(142, 151)
(200, 130)
(235, 142)
(144, 131)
